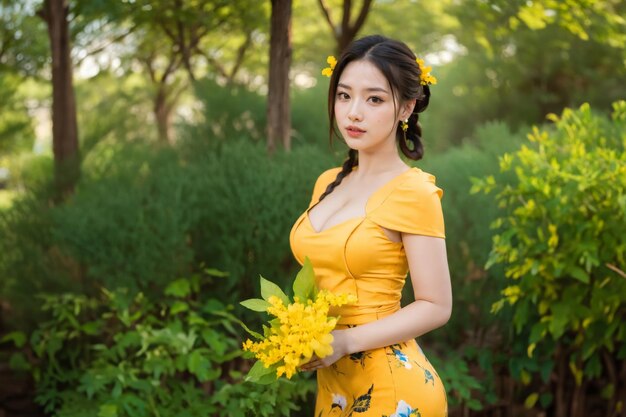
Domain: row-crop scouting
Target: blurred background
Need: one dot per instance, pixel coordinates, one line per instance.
(154, 155)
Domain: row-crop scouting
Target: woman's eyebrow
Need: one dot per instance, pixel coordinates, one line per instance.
(347, 87)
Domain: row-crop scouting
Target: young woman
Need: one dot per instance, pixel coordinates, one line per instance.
(370, 222)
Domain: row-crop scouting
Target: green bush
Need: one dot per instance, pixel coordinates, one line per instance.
(248, 203)
(562, 245)
(16, 125)
(119, 354)
(227, 112)
(140, 216)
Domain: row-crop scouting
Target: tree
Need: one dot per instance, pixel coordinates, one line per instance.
(507, 70)
(64, 127)
(345, 31)
(278, 112)
(176, 35)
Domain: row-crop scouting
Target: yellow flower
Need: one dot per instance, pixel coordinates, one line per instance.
(332, 61)
(425, 77)
(299, 330)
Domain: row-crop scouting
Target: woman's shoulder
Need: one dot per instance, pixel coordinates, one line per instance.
(329, 175)
(418, 182)
(412, 206)
(322, 182)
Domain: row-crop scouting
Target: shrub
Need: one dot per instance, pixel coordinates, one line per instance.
(120, 354)
(562, 245)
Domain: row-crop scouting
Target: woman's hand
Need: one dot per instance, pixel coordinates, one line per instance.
(339, 350)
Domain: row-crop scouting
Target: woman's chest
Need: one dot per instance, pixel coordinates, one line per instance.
(354, 247)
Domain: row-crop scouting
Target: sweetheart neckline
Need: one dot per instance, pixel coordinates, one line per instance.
(360, 218)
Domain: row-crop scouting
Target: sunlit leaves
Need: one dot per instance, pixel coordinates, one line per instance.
(561, 231)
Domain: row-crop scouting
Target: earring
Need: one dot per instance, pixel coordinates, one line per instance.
(404, 124)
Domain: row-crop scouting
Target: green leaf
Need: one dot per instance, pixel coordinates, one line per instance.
(268, 289)
(178, 288)
(259, 374)
(107, 410)
(178, 307)
(215, 273)
(214, 340)
(18, 338)
(200, 366)
(92, 328)
(255, 304)
(304, 284)
(579, 274)
(18, 362)
(531, 400)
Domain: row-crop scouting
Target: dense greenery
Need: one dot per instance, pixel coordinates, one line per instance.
(561, 242)
(123, 354)
(111, 299)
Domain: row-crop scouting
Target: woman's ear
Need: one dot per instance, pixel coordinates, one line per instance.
(407, 109)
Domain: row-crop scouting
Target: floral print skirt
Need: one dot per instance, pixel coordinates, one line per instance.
(393, 381)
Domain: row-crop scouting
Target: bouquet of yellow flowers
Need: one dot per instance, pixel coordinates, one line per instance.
(299, 328)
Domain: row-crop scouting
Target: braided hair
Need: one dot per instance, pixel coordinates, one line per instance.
(397, 63)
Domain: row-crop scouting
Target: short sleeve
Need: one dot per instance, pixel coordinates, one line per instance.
(413, 207)
(322, 182)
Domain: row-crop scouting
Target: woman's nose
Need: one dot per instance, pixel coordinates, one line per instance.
(355, 113)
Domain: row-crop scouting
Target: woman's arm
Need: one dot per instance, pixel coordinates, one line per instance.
(430, 276)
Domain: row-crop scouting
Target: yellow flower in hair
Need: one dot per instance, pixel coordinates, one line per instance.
(425, 77)
(332, 61)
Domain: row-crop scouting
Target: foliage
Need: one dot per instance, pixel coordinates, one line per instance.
(309, 115)
(248, 204)
(519, 74)
(468, 237)
(468, 387)
(562, 245)
(228, 111)
(16, 127)
(586, 19)
(141, 215)
(122, 354)
(114, 109)
(23, 39)
(124, 222)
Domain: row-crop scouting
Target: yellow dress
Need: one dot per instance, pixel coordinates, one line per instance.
(356, 257)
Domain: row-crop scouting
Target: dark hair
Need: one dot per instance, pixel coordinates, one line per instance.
(397, 63)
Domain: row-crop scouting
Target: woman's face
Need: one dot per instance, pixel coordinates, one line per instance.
(364, 107)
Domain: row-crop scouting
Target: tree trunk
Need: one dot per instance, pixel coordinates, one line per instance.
(345, 31)
(621, 391)
(64, 126)
(278, 111)
(561, 402)
(162, 113)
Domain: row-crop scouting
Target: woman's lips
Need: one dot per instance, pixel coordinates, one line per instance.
(354, 131)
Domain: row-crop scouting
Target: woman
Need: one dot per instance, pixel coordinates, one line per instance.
(369, 223)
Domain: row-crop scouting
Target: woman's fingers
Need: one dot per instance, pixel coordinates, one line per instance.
(312, 365)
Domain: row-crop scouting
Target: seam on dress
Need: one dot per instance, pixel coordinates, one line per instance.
(345, 260)
(292, 233)
(387, 196)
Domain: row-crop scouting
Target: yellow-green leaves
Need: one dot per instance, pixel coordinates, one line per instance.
(268, 289)
(560, 234)
(255, 304)
(304, 284)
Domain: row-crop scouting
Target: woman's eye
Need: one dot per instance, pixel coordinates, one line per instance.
(343, 96)
(376, 100)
